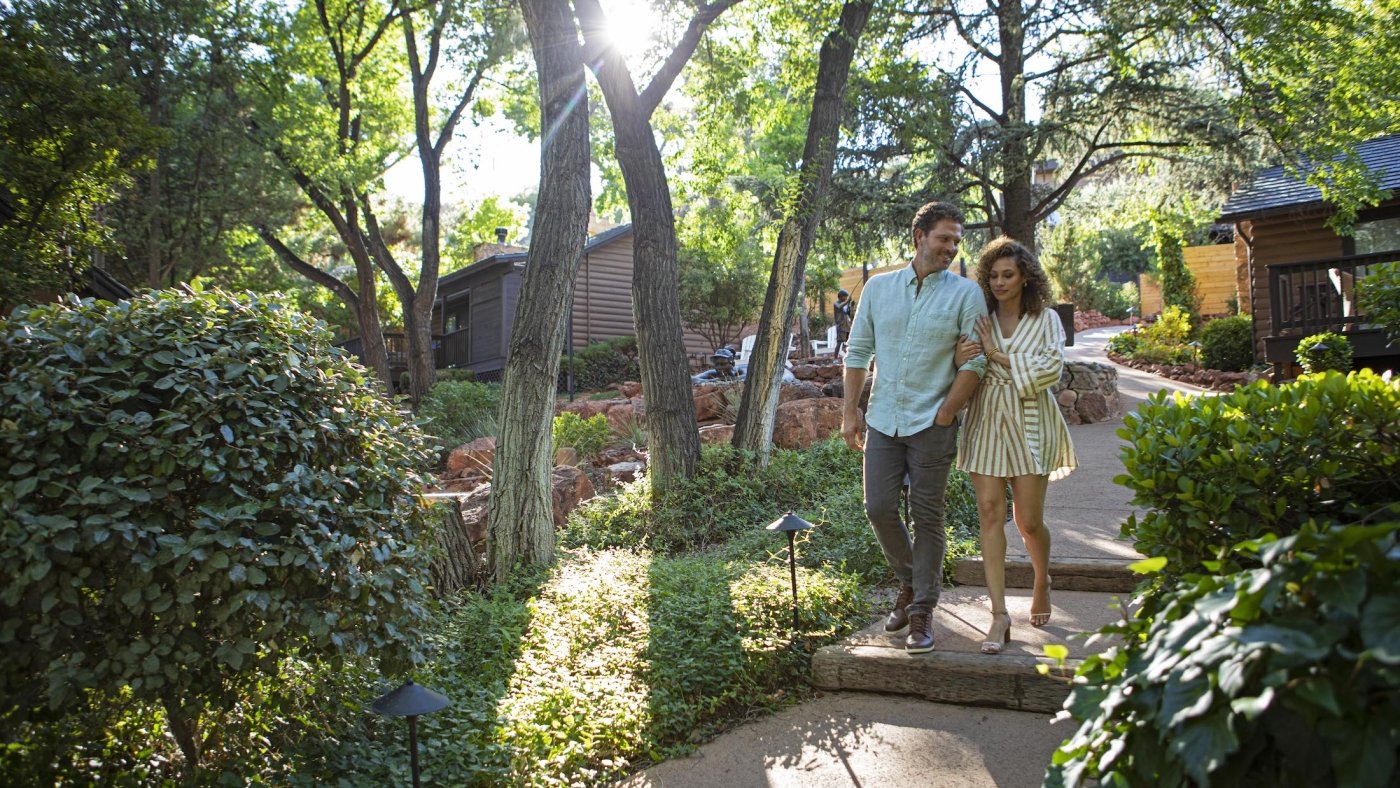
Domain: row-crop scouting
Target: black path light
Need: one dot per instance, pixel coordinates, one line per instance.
(409, 701)
(791, 524)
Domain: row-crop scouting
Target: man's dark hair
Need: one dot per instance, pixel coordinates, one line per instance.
(932, 213)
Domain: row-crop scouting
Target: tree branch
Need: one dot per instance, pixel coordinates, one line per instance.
(308, 270)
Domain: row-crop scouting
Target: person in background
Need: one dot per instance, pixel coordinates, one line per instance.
(909, 322)
(841, 313)
(1014, 433)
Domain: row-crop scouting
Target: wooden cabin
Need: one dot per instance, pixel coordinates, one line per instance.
(1299, 275)
(476, 305)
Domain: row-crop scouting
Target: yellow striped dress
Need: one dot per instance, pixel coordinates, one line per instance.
(1013, 425)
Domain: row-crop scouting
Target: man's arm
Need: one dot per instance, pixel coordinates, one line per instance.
(958, 394)
(852, 420)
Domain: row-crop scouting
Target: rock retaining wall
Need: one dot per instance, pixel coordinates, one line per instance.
(1087, 392)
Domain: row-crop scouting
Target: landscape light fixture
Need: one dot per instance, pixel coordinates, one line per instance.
(410, 700)
(791, 524)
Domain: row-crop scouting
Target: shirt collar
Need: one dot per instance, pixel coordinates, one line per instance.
(911, 277)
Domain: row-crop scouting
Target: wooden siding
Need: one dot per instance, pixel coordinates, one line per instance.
(1285, 240)
(603, 294)
(487, 326)
(602, 306)
(1149, 295)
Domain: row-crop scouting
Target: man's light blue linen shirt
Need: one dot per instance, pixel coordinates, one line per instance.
(913, 334)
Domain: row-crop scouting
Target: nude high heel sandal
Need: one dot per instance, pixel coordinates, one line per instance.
(1041, 618)
(999, 634)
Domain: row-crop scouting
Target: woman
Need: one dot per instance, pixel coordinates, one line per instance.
(1014, 432)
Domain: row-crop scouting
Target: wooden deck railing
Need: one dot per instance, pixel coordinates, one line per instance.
(1320, 295)
(449, 350)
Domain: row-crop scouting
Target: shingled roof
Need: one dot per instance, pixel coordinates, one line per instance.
(1274, 190)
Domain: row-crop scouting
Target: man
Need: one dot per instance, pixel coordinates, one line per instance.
(841, 311)
(910, 320)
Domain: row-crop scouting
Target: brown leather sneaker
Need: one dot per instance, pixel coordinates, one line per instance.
(899, 617)
(920, 638)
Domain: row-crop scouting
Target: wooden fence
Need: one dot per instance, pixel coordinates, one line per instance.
(1214, 269)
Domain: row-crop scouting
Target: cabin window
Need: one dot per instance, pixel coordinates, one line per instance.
(1377, 235)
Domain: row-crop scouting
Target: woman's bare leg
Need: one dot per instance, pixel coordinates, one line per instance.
(991, 514)
(1028, 510)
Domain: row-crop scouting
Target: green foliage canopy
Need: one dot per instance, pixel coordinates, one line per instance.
(67, 147)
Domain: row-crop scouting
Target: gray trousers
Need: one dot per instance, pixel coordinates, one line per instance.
(926, 457)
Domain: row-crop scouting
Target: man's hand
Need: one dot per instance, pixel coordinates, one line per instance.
(944, 420)
(853, 429)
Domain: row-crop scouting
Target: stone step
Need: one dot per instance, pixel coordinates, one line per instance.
(1072, 574)
(957, 672)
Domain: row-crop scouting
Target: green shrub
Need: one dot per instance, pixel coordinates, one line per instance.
(1227, 343)
(586, 436)
(190, 485)
(1125, 343)
(1379, 294)
(730, 499)
(601, 364)
(460, 411)
(1178, 283)
(1324, 352)
(1281, 674)
(1172, 327)
(1262, 459)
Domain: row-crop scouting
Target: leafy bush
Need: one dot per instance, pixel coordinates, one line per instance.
(1178, 283)
(453, 375)
(601, 364)
(1264, 649)
(1227, 343)
(1379, 294)
(1261, 459)
(586, 436)
(460, 411)
(1125, 343)
(1324, 352)
(1281, 674)
(1172, 327)
(191, 484)
(730, 499)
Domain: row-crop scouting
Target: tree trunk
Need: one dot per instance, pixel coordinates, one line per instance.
(184, 726)
(456, 567)
(522, 524)
(670, 409)
(754, 428)
(1017, 221)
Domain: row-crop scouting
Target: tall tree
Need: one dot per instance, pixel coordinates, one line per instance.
(476, 37)
(1317, 77)
(170, 223)
(359, 68)
(66, 150)
(330, 116)
(1108, 92)
(754, 428)
(522, 524)
(675, 443)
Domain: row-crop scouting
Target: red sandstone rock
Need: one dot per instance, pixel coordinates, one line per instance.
(717, 433)
(801, 423)
(471, 459)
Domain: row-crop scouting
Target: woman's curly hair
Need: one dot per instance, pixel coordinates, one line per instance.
(1037, 289)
